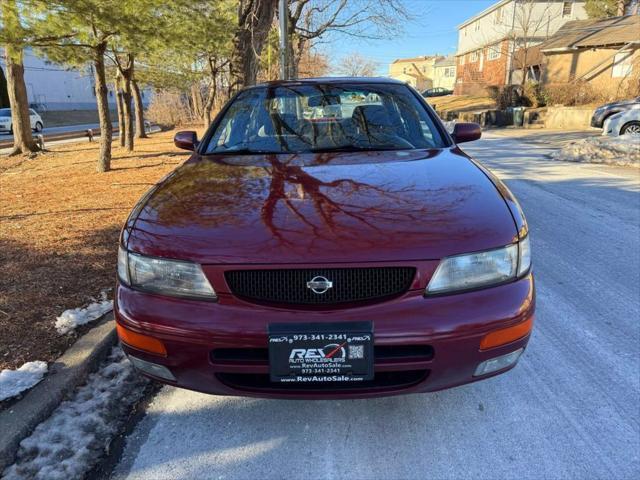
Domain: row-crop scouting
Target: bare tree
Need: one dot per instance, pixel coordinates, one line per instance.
(309, 21)
(355, 65)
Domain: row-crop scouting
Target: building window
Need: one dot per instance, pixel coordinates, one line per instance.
(622, 66)
(461, 59)
(450, 72)
(474, 57)
(424, 69)
(567, 9)
(404, 69)
(498, 18)
(494, 52)
(477, 26)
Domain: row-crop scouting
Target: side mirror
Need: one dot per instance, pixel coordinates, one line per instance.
(186, 140)
(466, 132)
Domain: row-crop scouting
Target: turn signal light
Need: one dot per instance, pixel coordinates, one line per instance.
(506, 335)
(141, 342)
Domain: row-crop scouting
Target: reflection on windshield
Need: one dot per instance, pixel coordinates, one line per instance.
(324, 118)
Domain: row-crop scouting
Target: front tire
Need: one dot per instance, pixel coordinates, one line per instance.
(631, 128)
(39, 127)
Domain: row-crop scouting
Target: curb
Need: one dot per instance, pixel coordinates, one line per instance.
(66, 373)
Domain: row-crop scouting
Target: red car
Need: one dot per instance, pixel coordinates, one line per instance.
(326, 239)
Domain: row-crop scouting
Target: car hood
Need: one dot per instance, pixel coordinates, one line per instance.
(622, 103)
(319, 208)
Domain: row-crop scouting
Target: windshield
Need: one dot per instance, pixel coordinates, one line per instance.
(329, 117)
(5, 112)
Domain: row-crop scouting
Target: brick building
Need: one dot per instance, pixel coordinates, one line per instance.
(488, 42)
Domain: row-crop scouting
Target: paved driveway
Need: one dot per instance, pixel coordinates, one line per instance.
(569, 410)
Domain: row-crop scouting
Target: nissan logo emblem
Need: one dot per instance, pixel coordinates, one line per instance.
(319, 285)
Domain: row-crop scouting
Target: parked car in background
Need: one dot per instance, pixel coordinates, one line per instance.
(600, 114)
(436, 92)
(6, 124)
(348, 253)
(623, 123)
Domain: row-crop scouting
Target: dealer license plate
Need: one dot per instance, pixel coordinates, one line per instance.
(321, 352)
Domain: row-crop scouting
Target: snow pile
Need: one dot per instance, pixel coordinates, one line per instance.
(68, 444)
(72, 319)
(13, 382)
(623, 150)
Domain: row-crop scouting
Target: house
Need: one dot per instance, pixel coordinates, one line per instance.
(604, 53)
(417, 72)
(53, 87)
(488, 41)
(444, 73)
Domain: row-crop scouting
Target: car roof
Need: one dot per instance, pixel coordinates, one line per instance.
(336, 80)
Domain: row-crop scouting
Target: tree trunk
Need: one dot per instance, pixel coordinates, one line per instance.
(127, 131)
(254, 21)
(126, 73)
(22, 139)
(196, 101)
(137, 100)
(104, 161)
(120, 110)
(209, 104)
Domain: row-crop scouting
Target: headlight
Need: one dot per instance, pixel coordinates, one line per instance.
(166, 277)
(462, 272)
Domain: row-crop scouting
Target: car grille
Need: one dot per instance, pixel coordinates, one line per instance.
(350, 285)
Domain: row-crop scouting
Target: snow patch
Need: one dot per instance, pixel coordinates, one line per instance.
(68, 444)
(13, 382)
(72, 319)
(623, 150)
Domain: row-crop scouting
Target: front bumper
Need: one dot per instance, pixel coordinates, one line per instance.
(440, 336)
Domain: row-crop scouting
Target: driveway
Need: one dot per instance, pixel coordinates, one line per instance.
(569, 410)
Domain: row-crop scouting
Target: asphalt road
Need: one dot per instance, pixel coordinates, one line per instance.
(569, 410)
(54, 135)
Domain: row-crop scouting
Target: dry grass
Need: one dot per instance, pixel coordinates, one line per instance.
(59, 228)
(461, 103)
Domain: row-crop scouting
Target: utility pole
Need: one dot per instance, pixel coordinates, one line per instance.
(284, 40)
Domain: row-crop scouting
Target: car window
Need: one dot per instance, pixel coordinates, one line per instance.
(314, 118)
(5, 112)
(31, 112)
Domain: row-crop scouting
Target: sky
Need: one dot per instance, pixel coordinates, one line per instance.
(432, 30)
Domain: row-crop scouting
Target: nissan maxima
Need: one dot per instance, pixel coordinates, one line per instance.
(327, 238)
